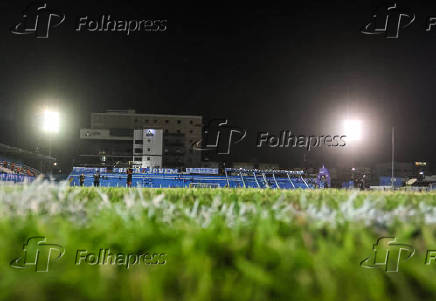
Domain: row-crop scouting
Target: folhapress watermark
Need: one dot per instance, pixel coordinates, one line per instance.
(106, 257)
(107, 23)
(220, 136)
(38, 255)
(38, 20)
(388, 255)
(286, 139)
(390, 19)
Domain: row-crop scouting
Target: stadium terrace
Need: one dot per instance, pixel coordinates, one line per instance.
(197, 178)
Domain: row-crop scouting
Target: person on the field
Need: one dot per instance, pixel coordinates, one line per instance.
(323, 182)
(129, 177)
(97, 179)
(82, 179)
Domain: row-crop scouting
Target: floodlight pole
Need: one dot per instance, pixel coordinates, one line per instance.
(49, 145)
(49, 155)
(393, 157)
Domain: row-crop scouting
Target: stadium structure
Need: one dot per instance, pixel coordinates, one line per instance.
(125, 149)
(196, 178)
(17, 164)
(120, 137)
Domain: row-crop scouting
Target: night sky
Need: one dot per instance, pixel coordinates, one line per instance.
(298, 66)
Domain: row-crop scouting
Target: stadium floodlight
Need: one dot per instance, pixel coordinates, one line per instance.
(51, 122)
(50, 126)
(353, 129)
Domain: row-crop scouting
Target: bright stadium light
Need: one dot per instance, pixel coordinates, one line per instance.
(353, 129)
(51, 122)
(50, 126)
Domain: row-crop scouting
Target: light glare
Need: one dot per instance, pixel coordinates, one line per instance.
(51, 122)
(353, 129)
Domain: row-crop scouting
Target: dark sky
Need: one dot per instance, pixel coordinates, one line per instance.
(299, 66)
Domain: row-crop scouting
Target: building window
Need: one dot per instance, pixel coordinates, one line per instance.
(138, 141)
(178, 131)
(179, 121)
(138, 150)
(191, 122)
(148, 158)
(148, 149)
(166, 121)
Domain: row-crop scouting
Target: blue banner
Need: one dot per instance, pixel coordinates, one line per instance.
(4, 177)
(203, 171)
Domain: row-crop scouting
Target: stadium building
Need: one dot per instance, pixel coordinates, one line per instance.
(118, 137)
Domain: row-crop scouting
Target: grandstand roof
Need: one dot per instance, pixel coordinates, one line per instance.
(13, 150)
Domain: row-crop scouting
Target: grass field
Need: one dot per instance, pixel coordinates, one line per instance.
(216, 244)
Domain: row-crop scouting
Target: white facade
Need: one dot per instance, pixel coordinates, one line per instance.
(148, 148)
(111, 133)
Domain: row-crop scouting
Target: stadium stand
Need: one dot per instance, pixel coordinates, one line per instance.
(10, 167)
(386, 181)
(16, 172)
(173, 178)
(15, 164)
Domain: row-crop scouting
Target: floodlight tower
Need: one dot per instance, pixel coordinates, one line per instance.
(50, 127)
(393, 157)
(353, 131)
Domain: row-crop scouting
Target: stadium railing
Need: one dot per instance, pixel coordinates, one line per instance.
(248, 179)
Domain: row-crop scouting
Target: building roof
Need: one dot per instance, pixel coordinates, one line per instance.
(133, 113)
